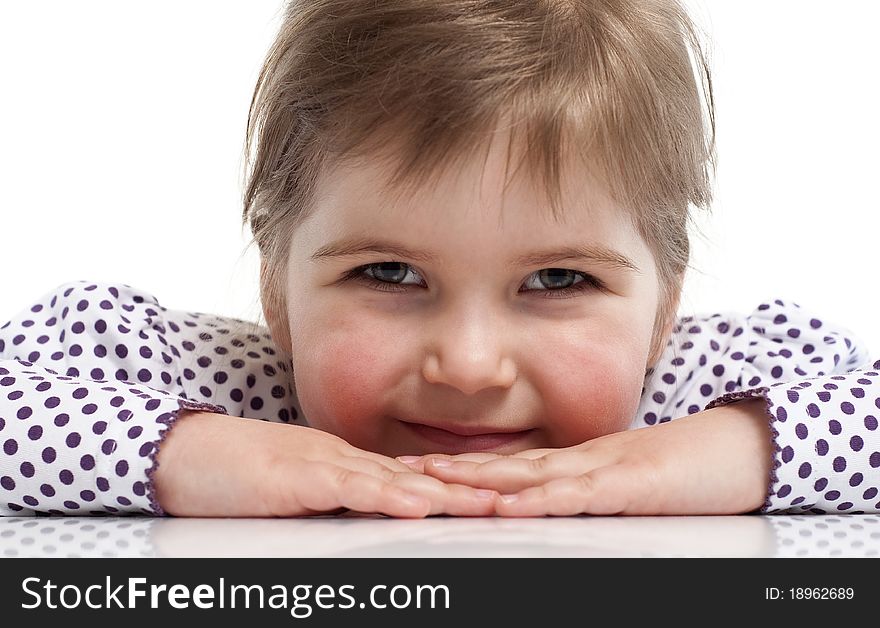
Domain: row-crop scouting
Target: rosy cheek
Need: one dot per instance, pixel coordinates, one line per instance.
(341, 388)
(595, 397)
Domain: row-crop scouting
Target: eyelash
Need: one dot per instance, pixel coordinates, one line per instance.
(589, 283)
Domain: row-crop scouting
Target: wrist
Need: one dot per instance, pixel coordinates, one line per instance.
(171, 476)
(750, 422)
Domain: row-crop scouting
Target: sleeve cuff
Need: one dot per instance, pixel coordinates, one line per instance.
(169, 419)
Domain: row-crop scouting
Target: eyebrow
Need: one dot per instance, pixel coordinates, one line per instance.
(596, 253)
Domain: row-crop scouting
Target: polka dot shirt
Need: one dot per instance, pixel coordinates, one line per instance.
(93, 375)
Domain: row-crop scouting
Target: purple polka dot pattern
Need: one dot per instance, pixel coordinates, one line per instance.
(92, 377)
(822, 394)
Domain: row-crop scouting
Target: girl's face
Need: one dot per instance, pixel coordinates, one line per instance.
(450, 331)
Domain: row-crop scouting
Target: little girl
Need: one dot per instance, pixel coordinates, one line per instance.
(472, 219)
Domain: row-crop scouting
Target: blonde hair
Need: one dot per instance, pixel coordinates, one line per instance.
(614, 81)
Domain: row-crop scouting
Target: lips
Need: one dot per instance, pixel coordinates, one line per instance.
(476, 440)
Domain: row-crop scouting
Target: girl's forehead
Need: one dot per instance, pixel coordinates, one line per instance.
(494, 180)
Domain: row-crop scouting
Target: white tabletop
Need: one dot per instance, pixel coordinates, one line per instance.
(375, 536)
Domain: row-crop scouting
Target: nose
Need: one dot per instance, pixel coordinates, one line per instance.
(469, 354)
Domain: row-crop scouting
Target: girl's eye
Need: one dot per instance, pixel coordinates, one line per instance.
(558, 282)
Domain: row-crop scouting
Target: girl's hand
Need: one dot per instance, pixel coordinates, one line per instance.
(712, 462)
(214, 465)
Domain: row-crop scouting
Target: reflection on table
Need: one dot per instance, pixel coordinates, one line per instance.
(356, 535)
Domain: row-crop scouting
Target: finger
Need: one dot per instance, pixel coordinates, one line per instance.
(535, 453)
(447, 498)
(477, 456)
(367, 465)
(335, 486)
(605, 491)
(511, 474)
(417, 463)
(390, 463)
(452, 499)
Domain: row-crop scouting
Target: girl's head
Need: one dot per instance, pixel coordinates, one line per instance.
(469, 137)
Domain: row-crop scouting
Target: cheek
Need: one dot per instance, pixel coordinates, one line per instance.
(594, 393)
(340, 383)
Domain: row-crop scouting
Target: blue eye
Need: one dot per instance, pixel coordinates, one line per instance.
(385, 276)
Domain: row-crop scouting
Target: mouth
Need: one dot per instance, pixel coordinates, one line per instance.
(462, 443)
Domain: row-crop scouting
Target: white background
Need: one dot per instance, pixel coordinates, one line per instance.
(122, 127)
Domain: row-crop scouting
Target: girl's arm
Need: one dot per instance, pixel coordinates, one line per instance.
(90, 384)
(77, 446)
(706, 446)
(92, 376)
(822, 397)
(826, 447)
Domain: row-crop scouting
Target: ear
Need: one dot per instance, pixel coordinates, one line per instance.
(274, 311)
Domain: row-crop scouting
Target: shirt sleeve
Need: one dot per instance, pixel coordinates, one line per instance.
(79, 434)
(822, 396)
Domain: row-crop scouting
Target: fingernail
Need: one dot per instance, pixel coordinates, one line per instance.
(509, 499)
(440, 462)
(408, 459)
(483, 493)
